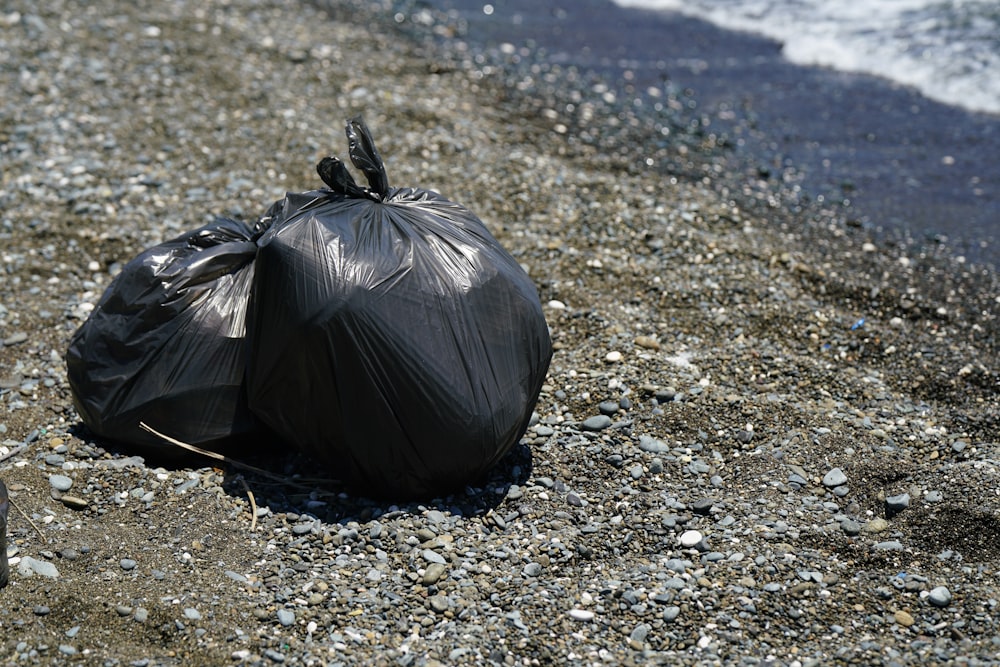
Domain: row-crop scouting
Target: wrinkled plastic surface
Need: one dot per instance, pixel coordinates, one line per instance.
(392, 337)
(165, 344)
(4, 506)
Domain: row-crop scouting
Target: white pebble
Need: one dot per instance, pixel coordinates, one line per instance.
(581, 614)
(555, 304)
(613, 357)
(690, 538)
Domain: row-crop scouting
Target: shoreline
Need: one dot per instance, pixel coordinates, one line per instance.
(800, 446)
(910, 170)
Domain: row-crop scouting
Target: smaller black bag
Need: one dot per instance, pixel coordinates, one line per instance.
(165, 344)
(391, 337)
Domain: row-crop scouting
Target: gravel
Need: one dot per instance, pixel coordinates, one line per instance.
(711, 463)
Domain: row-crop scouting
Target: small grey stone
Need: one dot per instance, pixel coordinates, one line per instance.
(127, 564)
(652, 445)
(640, 633)
(636, 471)
(60, 482)
(795, 478)
(439, 603)
(532, 569)
(933, 496)
(41, 610)
(432, 556)
(889, 545)
(66, 649)
(671, 613)
(939, 596)
(141, 614)
(896, 504)
(596, 423)
(665, 395)
(702, 506)
(15, 338)
(609, 408)
(236, 576)
(29, 566)
(850, 527)
(274, 656)
(835, 477)
(286, 617)
(192, 614)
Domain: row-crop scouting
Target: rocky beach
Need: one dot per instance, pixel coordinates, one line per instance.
(766, 437)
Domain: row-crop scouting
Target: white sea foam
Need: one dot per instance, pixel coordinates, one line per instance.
(947, 49)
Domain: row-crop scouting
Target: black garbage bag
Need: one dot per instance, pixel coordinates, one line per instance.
(165, 344)
(391, 336)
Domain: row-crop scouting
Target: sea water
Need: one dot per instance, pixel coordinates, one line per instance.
(910, 152)
(948, 49)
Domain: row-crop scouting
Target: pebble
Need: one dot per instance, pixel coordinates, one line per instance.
(581, 614)
(613, 357)
(73, 502)
(609, 408)
(15, 338)
(903, 618)
(896, 504)
(850, 527)
(939, 596)
(433, 573)
(876, 525)
(127, 564)
(432, 556)
(691, 538)
(286, 617)
(889, 545)
(274, 656)
(29, 566)
(702, 506)
(652, 445)
(647, 342)
(60, 482)
(835, 477)
(596, 423)
(192, 614)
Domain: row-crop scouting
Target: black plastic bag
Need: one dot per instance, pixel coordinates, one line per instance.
(391, 336)
(165, 344)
